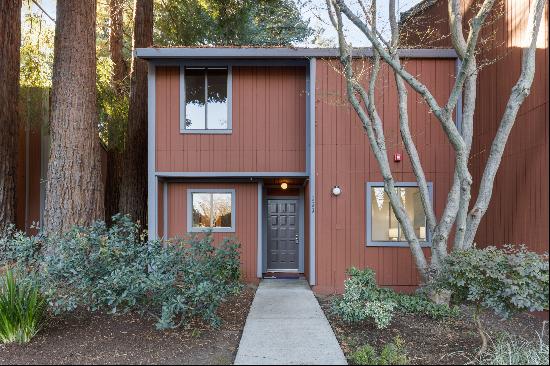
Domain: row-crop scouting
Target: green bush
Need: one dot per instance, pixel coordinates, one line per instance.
(363, 299)
(116, 269)
(505, 280)
(393, 353)
(22, 310)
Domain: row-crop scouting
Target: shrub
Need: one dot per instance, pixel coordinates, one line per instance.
(393, 353)
(506, 281)
(363, 299)
(511, 350)
(21, 310)
(116, 269)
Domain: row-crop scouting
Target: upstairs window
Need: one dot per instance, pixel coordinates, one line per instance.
(383, 229)
(206, 104)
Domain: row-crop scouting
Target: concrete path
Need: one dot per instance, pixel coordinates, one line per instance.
(286, 326)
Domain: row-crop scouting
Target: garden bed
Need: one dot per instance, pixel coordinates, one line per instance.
(131, 339)
(428, 341)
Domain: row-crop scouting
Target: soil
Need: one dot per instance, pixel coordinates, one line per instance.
(95, 338)
(428, 341)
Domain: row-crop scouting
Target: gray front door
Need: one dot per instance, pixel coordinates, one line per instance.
(283, 245)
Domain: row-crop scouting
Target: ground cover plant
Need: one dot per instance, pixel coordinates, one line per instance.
(116, 269)
(22, 309)
(363, 299)
(393, 353)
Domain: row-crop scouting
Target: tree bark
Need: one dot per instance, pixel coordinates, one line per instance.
(114, 156)
(133, 193)
(10, 40)
(74, 192)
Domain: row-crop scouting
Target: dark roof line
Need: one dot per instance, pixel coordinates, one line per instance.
(156, 53)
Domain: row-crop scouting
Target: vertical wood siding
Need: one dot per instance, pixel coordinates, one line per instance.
(268, 121)
(344, 158)
(519, 210)
(246, 206)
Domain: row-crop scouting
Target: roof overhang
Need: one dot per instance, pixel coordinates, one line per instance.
(154, 53)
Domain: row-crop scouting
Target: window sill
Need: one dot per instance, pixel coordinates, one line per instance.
(207, 132)
(213, 230)
(395, 244)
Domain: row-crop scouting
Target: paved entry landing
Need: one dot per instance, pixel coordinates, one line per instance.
(286, 326)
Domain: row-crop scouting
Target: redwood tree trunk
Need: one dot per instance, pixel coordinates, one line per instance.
(133, 193)
(114, 156)
(10, 40)
(74, 192)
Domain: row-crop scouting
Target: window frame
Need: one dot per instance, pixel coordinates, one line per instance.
(194, 229)
(368, 229)
(229, 128)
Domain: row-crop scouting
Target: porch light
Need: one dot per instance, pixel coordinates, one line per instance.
(284, 185)
(336, 190)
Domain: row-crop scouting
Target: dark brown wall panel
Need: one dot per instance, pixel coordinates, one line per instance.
(246, 196)
(344, 158)
(268, 125)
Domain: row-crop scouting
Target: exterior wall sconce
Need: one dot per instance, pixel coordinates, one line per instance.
(336, 191)
(284, 185)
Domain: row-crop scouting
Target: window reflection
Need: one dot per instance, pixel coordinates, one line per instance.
(195, 99)
(222, 210)
(385, 226)
(206, 98)
(211, 210)
(202, 209)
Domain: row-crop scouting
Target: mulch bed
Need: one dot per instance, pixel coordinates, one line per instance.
(428, 341)
(131, 339)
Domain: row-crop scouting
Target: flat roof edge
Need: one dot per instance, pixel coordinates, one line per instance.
(153, 53)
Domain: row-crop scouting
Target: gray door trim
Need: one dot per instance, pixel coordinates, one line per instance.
(301, 228)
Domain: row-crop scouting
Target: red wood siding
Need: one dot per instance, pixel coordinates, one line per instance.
(268, 125)
(246, 206)
(344, 158)
(519, 210)
(28, 202)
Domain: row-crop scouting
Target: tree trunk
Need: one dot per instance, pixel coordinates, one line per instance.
(10, 40)
(133, 193)
(74, 192)
(114, 157)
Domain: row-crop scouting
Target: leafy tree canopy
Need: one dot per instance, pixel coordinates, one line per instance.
(229, 22)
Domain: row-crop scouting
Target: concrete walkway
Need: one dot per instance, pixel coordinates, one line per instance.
(286, 326)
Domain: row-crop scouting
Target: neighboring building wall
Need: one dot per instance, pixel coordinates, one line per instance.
(269, 127)
(246, 218)
(519, 210)
(344, 158)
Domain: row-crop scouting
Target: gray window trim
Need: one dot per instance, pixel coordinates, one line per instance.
(371, 243)
(229, 128)
(192, 229)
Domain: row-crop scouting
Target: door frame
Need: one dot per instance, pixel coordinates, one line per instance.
(301, 223)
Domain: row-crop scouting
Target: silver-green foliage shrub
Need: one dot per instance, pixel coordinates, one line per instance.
(512, 350)
(507, 280)
(363, 299)
(116, 269)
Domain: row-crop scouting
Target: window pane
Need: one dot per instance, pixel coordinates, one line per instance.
(217, 99)
(385, 226)
(195, 99)
(201, 209)
(222, 209)
(380, 209)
